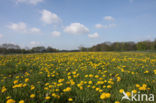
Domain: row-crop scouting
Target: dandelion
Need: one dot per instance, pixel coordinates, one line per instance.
(3, 89)
(47, 97)
(32, 96)
(121, 90)
(137, 85)
(70, 99)
(16, 81)
(128, 94)
(90, 82)
(10, 101)
(105, 95)
(27, 79)
(21, 101)
(32, 87)
(68, 89)
(134, 91)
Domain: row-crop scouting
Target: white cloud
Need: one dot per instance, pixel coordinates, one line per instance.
(99, 26)
(49, 17)
(22, 27)
(55, 33)
(1, 35)
(35, 30)
(94, 35)
(34, 2)
(76, 28)
(18, 26)
(109, 26)
(109, 18)
(34, 43)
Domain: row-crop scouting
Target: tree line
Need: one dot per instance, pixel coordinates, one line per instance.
(106, 46)
(146, 45)
(12, 48)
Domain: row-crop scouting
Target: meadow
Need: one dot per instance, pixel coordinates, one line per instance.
(80, 77)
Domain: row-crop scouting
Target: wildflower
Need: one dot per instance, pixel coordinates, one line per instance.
(21, 101)
(118, 79)
(24, 85)
(137, 85)
(8, 97)
(134, 91)
(26, 79)
(67, 89)
(60, 80)
(96, 76)
(70, 99)
(144, 85)
(121, 90)
(109, 86)
(47, 97)
(105, 95)
(146, 72)
(90, 82)
(154, 71)
(10, 101)
(142, 88)
(32, 87)
(16, 81)
(3, 89)
(32, 96)
(128, 93)
(97, 89)
(90, 75)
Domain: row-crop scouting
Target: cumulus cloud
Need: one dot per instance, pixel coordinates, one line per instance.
(94, 35)
(1, 35)
(49, 17)
(55, 33)
(35, 30)
(18, 26)
(76, 28)
(34, 2)
(99, 26)
(109, 18)
(22, 27)
(34, 43)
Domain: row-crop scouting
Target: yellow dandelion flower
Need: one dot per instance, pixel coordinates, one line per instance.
(10, 101)
(32, 96)
(121, 90)
(67, 89)
(21, 101)
(128, 93)
(26, 79)
(3, 89)
(70, 99)
(105, 95)
(134, 91)
(47, 97)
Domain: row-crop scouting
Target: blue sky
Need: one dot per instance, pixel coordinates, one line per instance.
(68, 24)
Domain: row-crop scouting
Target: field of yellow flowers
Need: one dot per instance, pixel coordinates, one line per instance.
(93, 77)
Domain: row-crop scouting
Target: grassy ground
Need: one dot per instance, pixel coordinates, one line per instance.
(76, 77)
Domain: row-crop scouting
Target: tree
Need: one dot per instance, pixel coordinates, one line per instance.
(38, 49)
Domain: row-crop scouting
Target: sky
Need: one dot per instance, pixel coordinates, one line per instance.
(69, 24)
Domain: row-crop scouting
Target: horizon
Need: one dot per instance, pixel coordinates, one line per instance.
(28, 48)
(68, 24)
